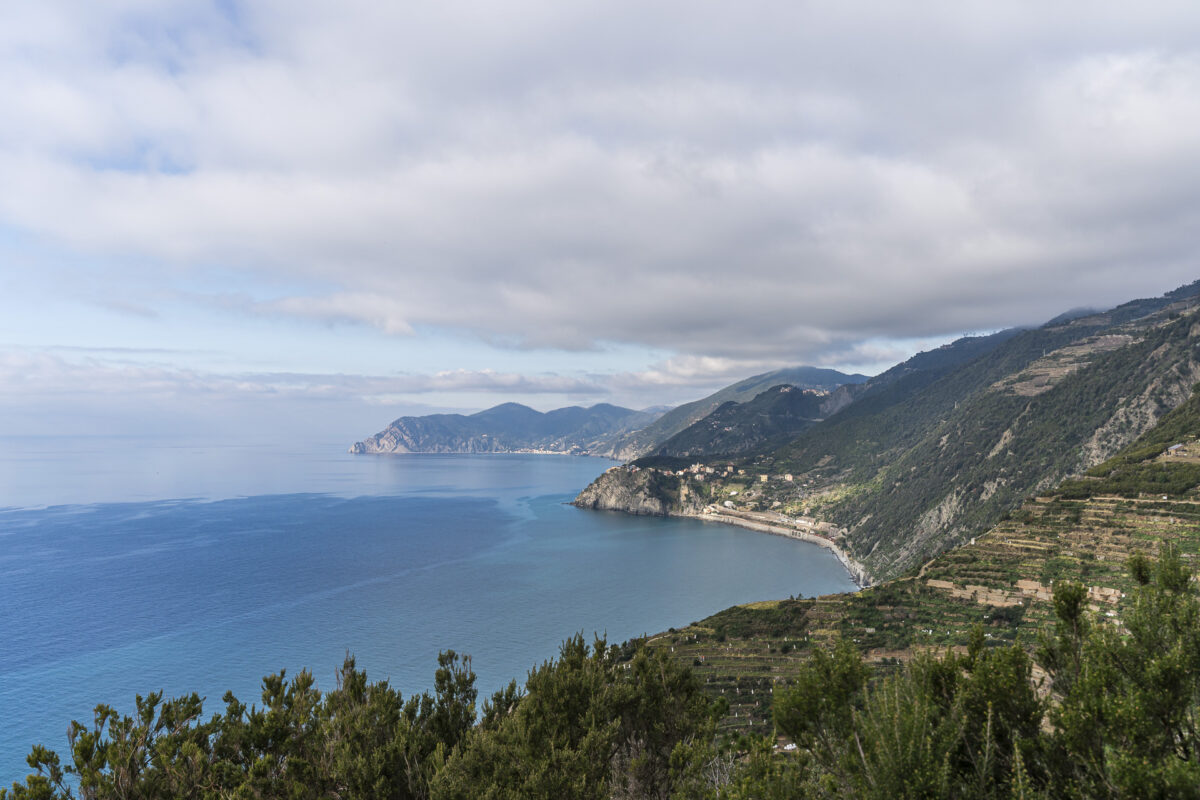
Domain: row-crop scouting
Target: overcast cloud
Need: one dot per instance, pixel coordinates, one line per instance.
(725, 186)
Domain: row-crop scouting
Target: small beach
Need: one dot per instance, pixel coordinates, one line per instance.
(750, 521)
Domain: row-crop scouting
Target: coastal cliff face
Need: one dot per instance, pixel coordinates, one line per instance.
(640, 492)
(404, 437)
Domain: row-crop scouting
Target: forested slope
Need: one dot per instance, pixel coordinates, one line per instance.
(773, 417)
(646, 440)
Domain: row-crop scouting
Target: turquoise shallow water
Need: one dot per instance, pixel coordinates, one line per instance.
(128, 566)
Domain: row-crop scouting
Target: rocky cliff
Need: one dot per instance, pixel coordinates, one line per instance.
(640, 491)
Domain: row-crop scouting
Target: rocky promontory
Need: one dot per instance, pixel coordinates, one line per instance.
(640, 491)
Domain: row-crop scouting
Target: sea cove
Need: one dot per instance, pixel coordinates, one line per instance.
(129, 566)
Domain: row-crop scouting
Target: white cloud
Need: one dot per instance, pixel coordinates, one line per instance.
(378, 310)
(27, 375)
(740, 185)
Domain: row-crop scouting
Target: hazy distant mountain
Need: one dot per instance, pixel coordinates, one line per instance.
(509, 428)
(602, 430)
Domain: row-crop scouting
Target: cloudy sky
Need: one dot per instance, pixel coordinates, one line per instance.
(327, 214)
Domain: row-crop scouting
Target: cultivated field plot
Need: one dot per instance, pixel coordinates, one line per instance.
(1002, 581)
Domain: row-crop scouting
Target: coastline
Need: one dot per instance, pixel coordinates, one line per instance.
(858, 573)
(633, 490)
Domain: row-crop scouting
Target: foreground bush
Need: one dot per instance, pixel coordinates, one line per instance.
(589, 724)
(1117, 717)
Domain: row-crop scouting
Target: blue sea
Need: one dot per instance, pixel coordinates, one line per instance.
(131, 565)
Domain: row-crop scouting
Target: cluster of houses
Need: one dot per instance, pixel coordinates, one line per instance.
(698, 471)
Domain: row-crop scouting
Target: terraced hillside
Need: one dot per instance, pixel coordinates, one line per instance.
(1002, 580)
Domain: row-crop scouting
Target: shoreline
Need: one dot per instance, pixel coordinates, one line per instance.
(858, 573)
(631, 490)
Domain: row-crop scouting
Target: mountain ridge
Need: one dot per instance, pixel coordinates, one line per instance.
(772, 415)
(643, 442)
(602, 430)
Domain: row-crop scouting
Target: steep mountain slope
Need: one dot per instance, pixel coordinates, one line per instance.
(1083, 532)
(644, 441)
(509, 427)
(774, 416)
(907, 377)
(918, 394)
(741, 426)
(929, 457)
(974, 443)
(870, 397)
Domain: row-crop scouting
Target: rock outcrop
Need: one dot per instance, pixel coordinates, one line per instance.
(640, 491)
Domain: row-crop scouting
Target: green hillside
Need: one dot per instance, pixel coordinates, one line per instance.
(774, 416)
(1054, 416)
(1001, 580)
(643, 441)
(1163, 461)
(935, 451)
